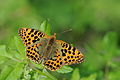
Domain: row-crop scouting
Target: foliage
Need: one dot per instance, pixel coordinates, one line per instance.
(95, 29)
(21, 62)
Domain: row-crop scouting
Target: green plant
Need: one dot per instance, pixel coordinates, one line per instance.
(13, 61)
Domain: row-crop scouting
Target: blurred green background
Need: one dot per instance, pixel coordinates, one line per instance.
(95, 31)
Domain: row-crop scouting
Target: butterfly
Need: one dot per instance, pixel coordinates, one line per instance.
(53, 53)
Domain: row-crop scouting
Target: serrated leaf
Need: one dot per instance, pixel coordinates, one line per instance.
(38, 76)
(43, 72)
(3, 52)
(16, 72)
(49, 75)
(19, 46)
(75, 74)
(5, 58)
(2, 60)
(40, 66)
(5, 61)
(12, 49)
(5, 72)
(65, 69)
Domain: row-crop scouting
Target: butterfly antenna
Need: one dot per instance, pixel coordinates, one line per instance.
(68, 30)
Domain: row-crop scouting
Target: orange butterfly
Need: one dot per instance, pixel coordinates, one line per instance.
(53, 53)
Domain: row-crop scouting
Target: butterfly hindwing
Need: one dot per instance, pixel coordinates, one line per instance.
(54, 63)
(70, 55)
(33, 52)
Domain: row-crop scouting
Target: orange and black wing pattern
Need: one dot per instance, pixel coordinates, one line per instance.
(70, 55)
(33, 40)
(31, 36)
(54, 56)
(65, 55)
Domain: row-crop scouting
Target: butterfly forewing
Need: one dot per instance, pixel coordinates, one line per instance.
(35, 41)
(31, 36)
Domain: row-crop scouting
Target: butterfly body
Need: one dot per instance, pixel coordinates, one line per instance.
(46, 49)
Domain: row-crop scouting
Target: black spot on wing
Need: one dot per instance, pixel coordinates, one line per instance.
(69, 48)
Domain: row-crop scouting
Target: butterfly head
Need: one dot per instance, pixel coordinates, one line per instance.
(54, 35)
(52, 39)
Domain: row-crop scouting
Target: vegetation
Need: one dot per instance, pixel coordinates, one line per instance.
(95, 31)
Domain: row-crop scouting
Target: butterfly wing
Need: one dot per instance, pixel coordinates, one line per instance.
(55, 62)
(70, 55)
(31, 36)
(65, 54)
(33, 53)
(35, 41)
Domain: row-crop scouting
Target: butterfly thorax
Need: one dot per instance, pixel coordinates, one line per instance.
(49, 48)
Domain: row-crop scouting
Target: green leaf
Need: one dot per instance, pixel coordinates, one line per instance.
(45, 27)
(16, 72)
(3, 50)
(6, 58)
(115, 75)
(42, 72)
(109, 45)
(49, 75)
(65, 69)
(104, 51)
(40, 66)
(48, 29)
(11, 44)
(39, 77)
(5, 61)
(12, 49)
(19, 46)
(2, 60)
(5, 72)
(75, 74)
(91, 77)
(110, 39)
